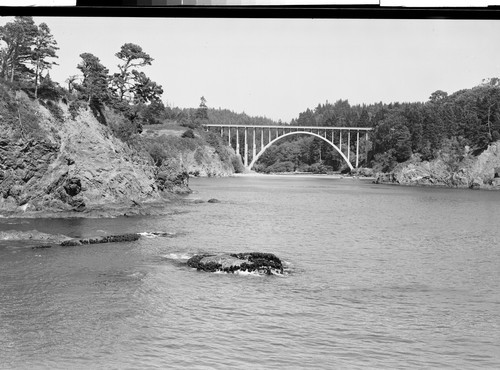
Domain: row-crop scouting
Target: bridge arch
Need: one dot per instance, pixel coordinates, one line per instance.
(256, 158)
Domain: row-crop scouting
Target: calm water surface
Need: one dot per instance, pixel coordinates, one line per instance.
(377, 277)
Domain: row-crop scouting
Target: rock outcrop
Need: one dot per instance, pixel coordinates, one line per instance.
(32, 235)
(101, 240)
(261, 263)
(481, 172)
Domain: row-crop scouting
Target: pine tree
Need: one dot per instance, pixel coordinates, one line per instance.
(45, 48)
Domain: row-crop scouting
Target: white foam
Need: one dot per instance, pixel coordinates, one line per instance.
(247, 273)
(155, 234)
(178, 256)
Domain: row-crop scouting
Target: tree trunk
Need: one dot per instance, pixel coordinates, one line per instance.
(36, 79)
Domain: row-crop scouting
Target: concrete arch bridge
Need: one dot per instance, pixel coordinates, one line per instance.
(257, 139)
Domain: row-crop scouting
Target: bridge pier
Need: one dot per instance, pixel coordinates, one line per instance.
(348, 146)
(238, 142)
(357, 149)
(246, 148)
(254, 147)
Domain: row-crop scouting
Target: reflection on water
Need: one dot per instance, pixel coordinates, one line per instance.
(379, 277)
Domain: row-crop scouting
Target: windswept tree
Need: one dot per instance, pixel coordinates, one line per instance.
(132, 57)
(94, 86)
(44, 51)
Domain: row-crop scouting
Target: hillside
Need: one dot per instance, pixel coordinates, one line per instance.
(58, 158)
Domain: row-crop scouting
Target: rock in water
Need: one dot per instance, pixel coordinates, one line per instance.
(262, 263)
(101, 240)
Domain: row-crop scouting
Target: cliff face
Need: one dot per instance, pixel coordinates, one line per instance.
(54, 160)
(472, 172)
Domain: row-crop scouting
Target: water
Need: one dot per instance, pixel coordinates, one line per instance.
(377, 277)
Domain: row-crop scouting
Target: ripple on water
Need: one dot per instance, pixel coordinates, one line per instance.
(379, 277)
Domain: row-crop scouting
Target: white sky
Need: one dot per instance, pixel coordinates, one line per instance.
(279, 67)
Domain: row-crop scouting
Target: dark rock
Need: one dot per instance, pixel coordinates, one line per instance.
(70, 243)
(262, 263)
(172, 181)
(73, 186)
(213, 200)
(101, 239)
(384, 178)
(475, 184)
(41, 247)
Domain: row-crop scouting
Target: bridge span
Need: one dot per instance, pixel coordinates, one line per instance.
(340, 138)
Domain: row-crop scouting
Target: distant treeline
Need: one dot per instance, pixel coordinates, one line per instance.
(463, 122)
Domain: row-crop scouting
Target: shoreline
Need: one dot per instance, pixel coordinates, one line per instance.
(302, 174)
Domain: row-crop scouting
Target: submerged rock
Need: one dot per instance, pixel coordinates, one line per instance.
(101, 239)
(262, 263)
(33, 235)
(213, 200)
(42, 247)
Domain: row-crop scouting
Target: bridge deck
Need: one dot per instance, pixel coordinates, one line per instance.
(292, 127)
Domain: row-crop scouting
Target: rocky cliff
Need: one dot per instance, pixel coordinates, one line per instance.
(55, 159)
(481, 172)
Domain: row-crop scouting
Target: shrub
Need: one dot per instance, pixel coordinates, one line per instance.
(318, 168)
(384, 162)
(286, 166)
(157, 153)
(198, 156)
(189, 134)
(237, 165)
(190, 125)
(122, 127)
(53, 108)
(495, 136)
(75, 106)
(50, 91)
